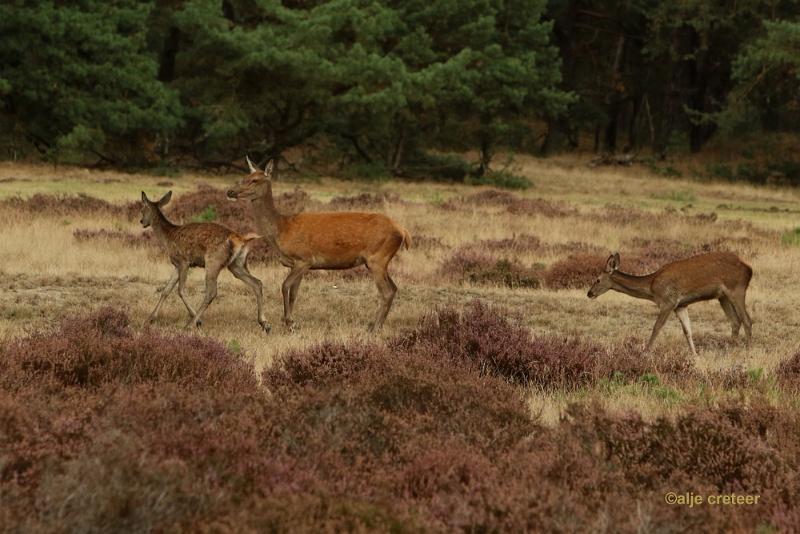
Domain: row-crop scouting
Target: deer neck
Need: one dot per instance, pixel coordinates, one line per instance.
(162, 227)
(268, 219)
(635, 286)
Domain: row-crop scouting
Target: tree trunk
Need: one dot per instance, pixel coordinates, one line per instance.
(614, 98)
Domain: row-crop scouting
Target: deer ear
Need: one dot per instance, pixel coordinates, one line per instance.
(165, 199)
(144, 198)
(250, 164)
(613, 262)
(268, 169)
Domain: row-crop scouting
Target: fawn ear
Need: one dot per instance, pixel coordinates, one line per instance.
(250, 165)
(144, 198)
(165, 199)
(613, 262)
(268, 169)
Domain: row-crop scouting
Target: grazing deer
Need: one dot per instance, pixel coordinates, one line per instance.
(716, 275)
(208, 245)
(308, 241)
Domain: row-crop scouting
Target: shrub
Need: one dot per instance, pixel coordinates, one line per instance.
(98, 349)
(788, 371)
(129, 239)
(370, 201)
(504, 179)
(468, 265)
(488, 197)
(574, 272)
(488, 342)
(428, 242)
(426, 433)
(517, 243)
(60, 205)
(539, 206)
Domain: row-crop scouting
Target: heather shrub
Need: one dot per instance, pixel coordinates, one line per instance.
(100, 348)
(469, 265)
(511, 203)
(516, 243)
(322, 363)
(629, 361)
(788, 371)
(710, 445)
(367, 404)
(60, 205)
(427, 242)
(109, 486)
(488, 197)
(425, 433)
(540, 206)
(574, 272)
(487, 342)
(129, 239)
(371, 201)
(626, 216)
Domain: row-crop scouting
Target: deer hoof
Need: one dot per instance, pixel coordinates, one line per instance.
(266, 327)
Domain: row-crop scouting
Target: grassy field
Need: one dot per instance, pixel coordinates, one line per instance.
(48, 273)
(497, 398)
(574, 210)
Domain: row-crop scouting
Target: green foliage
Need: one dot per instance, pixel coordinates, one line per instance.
(767, 76)
(791, 237)
(755, 375)
(503, 179)
(77, 78)
(207, 215)
(650, 379)
(393, 85)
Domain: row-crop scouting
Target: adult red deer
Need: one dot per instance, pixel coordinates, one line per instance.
(208, 245)
(308, 241)
(716, 275)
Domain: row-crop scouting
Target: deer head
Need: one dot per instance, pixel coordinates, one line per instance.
(149, 208)
(603, 282)
(256, 184)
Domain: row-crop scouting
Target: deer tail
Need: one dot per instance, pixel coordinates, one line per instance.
(250, 237)
(240, 244)
(406, 237)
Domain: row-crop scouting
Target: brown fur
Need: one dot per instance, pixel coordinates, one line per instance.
(716, 275)
(338, 240)
(208, 245)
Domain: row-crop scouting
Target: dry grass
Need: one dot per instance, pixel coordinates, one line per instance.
(47, 273)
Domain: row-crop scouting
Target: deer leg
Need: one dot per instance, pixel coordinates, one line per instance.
(212, 273)
(239, 270)
(737, 299)
(295, 287)
(662, 318)
(164, 294)
(386, 291)
(683, 316)
(733, 317)
(289, 289)
(183, 271)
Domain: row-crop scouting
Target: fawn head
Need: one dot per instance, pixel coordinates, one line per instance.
(256, 184)
(149, 208)
(603, 282)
